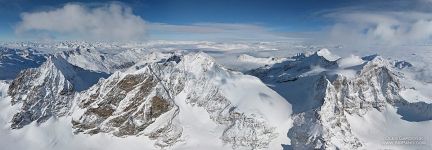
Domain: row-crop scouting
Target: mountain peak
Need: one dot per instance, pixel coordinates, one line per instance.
(80, 78)
(198, 62)
(48, 90)
(325, 53)
(198, 57)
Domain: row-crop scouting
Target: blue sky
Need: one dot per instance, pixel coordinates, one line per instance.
(218, 19)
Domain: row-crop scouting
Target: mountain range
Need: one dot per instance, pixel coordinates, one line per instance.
(189, 99)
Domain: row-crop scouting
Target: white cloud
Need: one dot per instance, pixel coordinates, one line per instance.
(380, 27)
(117, 22)
(108, 22)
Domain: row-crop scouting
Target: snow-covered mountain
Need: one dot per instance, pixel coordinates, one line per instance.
(159, 100)
(266, 61)
(138, 98)
(324, 90)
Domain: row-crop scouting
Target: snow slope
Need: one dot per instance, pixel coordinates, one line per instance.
(381, 129)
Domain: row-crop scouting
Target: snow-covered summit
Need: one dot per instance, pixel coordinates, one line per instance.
(327, 54)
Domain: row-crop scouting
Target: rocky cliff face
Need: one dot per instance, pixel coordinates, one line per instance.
(48, 90)
(326, 127)
(126, 104)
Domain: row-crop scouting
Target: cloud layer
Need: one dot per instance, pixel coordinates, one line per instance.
(108, 22)
(215, 31)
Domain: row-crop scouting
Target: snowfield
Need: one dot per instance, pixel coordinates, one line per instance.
(213, 95)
